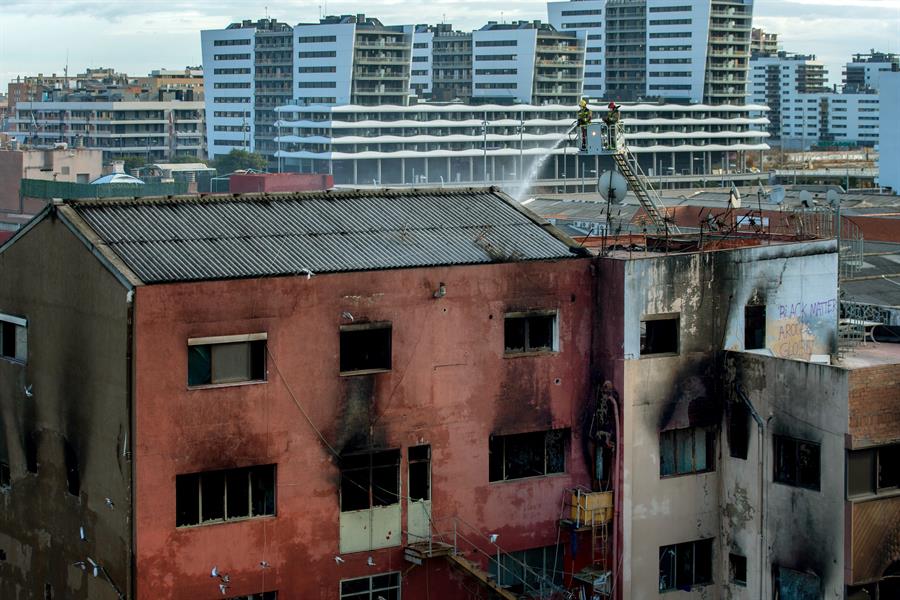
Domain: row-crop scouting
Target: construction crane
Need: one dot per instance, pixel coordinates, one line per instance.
(602, 139)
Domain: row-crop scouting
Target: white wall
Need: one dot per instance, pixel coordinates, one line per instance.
(242, 112)
(587, 19)
(522, 63)
(853, 117)
(889, 132)
(673, 76)
(337, 82)
(421, 60)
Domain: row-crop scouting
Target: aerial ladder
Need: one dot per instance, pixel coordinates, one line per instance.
(602, 139)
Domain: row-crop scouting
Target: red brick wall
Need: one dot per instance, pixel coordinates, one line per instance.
(875, 405)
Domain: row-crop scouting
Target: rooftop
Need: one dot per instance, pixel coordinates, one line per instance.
(170, 239)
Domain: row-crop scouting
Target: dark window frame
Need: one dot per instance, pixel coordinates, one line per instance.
(883, 477)
(670, 438)
(502, 467)
(645, 334)
(419, 472)
(257, 507)
(201, 360)
(531, 323)
(673, 559)
(737, 565)
(382, 363)
(755, 327)
(13, 339)
(370, 587)
(359, 472)
(784, 448)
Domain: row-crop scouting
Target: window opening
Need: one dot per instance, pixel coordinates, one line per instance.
(873, 470)
(754, 327)
(226, 362)
(216, 496)
(797, 462)
(684, 451)
(73, 478)
(739, 430)
(737, 566)
(795, 585)
(366, 348)
(370, 479)
(529, 333)
(659, 336)
(386, 587)
(524, 571)
(419, 472)
(682, 566)
(13, 338)
(527, 454)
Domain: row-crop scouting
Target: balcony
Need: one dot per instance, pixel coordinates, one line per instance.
(381, 45)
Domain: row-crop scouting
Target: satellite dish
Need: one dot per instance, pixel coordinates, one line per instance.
(833, 198)
(806, 199)
(776, 196)
(612, 187)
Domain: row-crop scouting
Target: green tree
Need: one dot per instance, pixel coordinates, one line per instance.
(239, 159)
(134, 162)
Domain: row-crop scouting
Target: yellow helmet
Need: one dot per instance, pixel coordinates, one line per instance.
(583, 103)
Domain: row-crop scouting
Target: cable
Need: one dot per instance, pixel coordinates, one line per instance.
(299, 406)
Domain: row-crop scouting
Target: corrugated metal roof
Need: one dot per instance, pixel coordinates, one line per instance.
(190, 238)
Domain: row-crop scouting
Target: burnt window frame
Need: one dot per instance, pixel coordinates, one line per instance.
(366, 463)
(257, 354)
(184, 481)
(677, 558)
(710, 444)
(270, 595)
(526, 317)
(365, 328)
(16, 329)
(386, 585)
(734, 567)
(782, 443)
(498, 444)
(418, 458)
(642, 334)
(748, 320)
(875, 487)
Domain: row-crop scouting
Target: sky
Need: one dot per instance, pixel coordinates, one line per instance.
(137, 36)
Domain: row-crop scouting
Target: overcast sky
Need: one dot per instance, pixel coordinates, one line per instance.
(136, 36)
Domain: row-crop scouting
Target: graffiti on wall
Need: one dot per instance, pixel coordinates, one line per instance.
(801, 328)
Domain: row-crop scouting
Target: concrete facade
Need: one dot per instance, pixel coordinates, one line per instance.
(889, 132)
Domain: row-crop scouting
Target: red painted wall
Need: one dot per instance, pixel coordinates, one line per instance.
(279, 182)
(450, 386)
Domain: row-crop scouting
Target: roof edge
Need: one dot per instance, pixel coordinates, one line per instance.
(40, 216)
(574, 247)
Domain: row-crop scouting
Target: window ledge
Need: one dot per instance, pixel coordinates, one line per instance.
(11, 360)
(225, 522)
(798, 487)
(530, 353)
(892, 493)
(677, 475)
(532, 478)
(216, 386)
(363, 372)
(659, 355)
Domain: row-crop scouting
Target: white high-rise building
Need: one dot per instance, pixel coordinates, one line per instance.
(889, 132)
(784, 83)
(864, 71)
(228, 60)
(679, 50)
(585, 17)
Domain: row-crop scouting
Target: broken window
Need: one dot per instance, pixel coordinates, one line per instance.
(216, 496)
(73, 478)
(13, 338)
(738, 430)
(365, 348)
(529, 332)
(524, 571)
(659, 335)
(797, 462)
(5, 480)
(795, 585)
(683, 451)
(370, 479)
(527, 454)
(682, 566)
(754, 327)
(419, 472)
(375, 587)
(737, 566)
(873, 470)
(226, 359)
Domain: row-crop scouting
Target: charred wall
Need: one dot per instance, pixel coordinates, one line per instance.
(65, 422)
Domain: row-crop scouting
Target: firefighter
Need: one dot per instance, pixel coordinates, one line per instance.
(612, 120)
(584, 119)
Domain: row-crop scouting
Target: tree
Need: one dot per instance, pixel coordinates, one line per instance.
(238, 160)
(186, 158)
(133, 162)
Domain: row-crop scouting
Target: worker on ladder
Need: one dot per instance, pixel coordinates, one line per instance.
(584, 120)
(612, 119)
